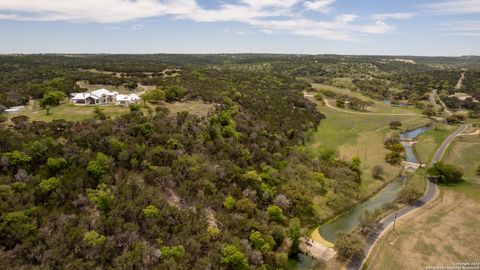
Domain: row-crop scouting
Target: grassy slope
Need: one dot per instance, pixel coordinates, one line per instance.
(362, 135)
(429, 141)
(464, 153)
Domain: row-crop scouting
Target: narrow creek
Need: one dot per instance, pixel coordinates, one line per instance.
(348, 221)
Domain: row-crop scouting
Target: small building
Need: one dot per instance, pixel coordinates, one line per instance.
(104, 97)
(127, 99)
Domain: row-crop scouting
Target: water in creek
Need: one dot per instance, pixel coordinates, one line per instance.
(349, 221)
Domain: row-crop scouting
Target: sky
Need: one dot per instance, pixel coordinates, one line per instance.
(374, 27)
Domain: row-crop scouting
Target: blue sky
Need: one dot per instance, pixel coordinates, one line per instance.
(396, 27)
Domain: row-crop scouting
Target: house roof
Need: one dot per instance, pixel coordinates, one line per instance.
(130, 97)
(80, 96)
(101, 92)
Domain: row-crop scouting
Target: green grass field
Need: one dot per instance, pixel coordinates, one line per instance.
(361, 135)
(67, 111)
(429, 141)
(75, 113)
(464, 153)
(378, 107)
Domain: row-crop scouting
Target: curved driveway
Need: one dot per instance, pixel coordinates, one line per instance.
(380, 228)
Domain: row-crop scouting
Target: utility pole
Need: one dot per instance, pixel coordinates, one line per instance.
(395, 220)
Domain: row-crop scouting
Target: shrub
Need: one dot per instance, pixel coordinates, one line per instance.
(395, 124)
(233, 257)
(229, 202)
(93, 238)
(275, 213)
(151, 211)
(49, 184)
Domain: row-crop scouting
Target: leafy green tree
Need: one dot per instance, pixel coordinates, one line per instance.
(175, 252)
(18, 158)
(258, 242)
(349, 245)
(16, 227)
(252, 177)
(49, 184)
(102, 196)
(233, 257)
(395, 124)
(154, 95)
(151, 211)
(55, 165)
(174, 144)
(429, 112)
(275, 213)
(229, 202)
(173, 93)
(52, 98)
(115, 145)
(93, 238)
(408, 195)
(368, 220)
(355, 164)
(100, 166)
(294, 232)
(445, 173)
(134, 108)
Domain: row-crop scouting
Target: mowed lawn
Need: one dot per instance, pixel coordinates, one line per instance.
(441, 235)
(464, 153)
(68, 112)
(363, 136)
(379, 107)
(76, 113)
(429, 141)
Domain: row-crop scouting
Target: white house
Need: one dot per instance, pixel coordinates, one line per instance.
(104, 97)
(127, 99)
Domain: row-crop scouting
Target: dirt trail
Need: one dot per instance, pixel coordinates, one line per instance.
(460, 81)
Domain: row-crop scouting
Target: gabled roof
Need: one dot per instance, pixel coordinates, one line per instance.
(130, 97)
(101, 92)
(80, 96)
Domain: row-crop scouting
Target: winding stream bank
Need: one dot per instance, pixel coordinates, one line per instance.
(348, 221)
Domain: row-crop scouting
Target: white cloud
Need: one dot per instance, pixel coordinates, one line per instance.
(455, 7)
(269, 16)
(319, 5)
(461, 28)
(101, 11)
(397, 16)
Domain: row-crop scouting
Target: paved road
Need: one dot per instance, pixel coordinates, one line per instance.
(441, 150)
(380, 228)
